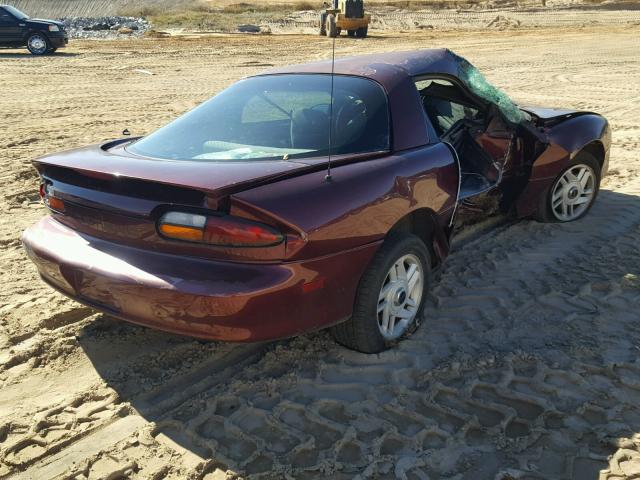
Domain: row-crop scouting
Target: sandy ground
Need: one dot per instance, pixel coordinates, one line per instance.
(525, 366)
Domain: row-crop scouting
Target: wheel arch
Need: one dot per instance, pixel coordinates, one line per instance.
(32, 31)
(596, 149)
(423, 223)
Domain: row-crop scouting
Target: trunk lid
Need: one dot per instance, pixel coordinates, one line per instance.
(111, 194)
(111, 162)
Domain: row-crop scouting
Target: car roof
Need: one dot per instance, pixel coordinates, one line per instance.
(383, 67)
(395, 72)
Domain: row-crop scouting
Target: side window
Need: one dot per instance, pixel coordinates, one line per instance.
(5, 18)
(444, 104)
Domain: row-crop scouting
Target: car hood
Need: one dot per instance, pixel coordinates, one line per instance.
(219, 177)
(43, 22)
(548, 113)
(544, 116)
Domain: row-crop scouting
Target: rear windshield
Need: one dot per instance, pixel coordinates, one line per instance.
(277, 117)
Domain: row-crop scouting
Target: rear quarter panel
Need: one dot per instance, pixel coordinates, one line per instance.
(361, 203)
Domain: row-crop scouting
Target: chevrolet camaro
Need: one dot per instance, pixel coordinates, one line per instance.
(307, 197)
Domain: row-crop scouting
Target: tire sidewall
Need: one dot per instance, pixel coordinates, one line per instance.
(372, 281)
(331, 27)
(545, 208)
(46, 41)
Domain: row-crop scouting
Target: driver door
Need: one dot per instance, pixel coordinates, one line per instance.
(482, 142)
(10, 31)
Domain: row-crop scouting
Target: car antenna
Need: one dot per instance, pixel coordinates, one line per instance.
(328, 176)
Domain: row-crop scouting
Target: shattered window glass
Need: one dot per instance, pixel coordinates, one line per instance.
(479, 85)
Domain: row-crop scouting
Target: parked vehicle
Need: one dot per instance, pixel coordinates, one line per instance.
(39, 36)
(245, 220)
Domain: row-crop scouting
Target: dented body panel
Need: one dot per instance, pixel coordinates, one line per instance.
(105, 249)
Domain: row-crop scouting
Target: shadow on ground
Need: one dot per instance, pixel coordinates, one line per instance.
(525, 367)
(26, 54)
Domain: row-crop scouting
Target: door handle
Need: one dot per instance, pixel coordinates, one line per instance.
(22, 24)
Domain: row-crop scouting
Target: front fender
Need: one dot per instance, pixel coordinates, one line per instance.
(565, 140)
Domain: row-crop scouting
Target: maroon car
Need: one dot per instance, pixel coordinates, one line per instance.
(297, 200)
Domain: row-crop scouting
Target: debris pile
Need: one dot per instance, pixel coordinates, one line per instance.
(105, 27)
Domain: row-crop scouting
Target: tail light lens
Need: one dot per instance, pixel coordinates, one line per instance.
(54, 203)
(224, 231)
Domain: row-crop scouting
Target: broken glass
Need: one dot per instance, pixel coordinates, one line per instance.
(480, 86)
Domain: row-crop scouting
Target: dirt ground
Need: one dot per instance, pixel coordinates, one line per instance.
(525, 365)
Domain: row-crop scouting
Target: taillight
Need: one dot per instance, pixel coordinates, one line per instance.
(46, 194)
(225, 231)
(55, 204)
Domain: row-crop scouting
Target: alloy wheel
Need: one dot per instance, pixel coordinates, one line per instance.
(573, 192)
(37, 44)
(400, 296)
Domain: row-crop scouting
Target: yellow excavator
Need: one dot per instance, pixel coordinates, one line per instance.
(345, 15)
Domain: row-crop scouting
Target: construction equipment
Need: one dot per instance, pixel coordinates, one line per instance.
(344, 15)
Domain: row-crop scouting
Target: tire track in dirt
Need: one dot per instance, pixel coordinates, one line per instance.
(461, 388)
(524, 366)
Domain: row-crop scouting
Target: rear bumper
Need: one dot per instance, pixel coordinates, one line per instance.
(197, 297)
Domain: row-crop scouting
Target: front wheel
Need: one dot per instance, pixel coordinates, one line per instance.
(573, 191)
(331, 27)
(38, 44)
(362, 32)
(390, 297)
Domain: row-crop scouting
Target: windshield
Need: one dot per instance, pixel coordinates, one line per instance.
(277, 117)
(480, 86)
(16, 13)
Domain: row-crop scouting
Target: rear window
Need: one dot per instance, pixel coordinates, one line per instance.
(277, 117)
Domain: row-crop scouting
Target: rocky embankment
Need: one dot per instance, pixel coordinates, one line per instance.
(105, 27)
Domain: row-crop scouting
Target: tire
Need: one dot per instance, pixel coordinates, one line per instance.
(362, 32)
(364, 330)
(38, 44)
(331, 28)
(560, 198)
(351, 33)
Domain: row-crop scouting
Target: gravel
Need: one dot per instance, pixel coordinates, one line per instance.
(105, 27)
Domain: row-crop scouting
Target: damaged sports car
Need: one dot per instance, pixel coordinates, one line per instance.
(307, 197)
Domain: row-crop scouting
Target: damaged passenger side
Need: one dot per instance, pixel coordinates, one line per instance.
(479, 136)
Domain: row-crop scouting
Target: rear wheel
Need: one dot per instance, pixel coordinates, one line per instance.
(390, 297)
(573, 192)
(351, 33)
(38, 44)
(331, 28)
(362, 32)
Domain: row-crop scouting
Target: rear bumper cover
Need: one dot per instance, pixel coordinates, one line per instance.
(193, 296)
